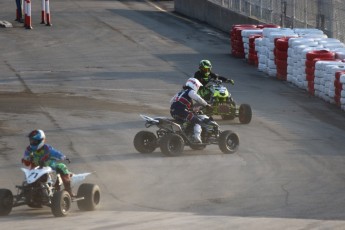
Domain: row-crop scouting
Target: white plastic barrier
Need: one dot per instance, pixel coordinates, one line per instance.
(342, 93)
(320, 78)
(298, 48)
(328, 41)
(326, 85)
(314, 35)
(260, 48)
(245, 38)
(303, 31)
(270, 34)
(339, 53)
(329, 81)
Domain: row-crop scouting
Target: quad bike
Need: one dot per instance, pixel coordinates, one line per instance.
(223, 104)
(42, 187)
(172, 136)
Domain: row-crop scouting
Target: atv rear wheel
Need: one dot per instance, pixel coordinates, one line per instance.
(245, 114)
(6, 202)
(92, 197)
(145, 142)
(228, 142)
(172, 144)
(61, 203)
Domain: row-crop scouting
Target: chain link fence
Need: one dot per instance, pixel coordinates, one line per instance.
(327, 15)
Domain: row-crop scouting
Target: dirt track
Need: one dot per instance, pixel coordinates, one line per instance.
(86, 79)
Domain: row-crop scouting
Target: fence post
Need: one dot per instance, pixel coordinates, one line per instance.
(334, 32)
(305, 14)
(293, 13)
(271, 11)
(282, 13)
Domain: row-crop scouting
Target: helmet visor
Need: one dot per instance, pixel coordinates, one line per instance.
(34, 142)
(206, 69)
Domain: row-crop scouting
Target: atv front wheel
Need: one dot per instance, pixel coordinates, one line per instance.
(61, 203)
(92, 197)
(245, 114)
(6, 202)
(172, 144)
(145, 142)
(228, 142)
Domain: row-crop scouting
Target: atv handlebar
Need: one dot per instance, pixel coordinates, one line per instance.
(214, 82)
(219, 82)
(198, 109)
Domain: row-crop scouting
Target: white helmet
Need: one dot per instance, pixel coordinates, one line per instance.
(194, 84)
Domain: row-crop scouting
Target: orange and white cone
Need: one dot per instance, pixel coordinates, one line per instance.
(28, 15)
(43, 12)
(25, 7)
(47, 8)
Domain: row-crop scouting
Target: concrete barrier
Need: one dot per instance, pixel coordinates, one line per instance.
(212, 14)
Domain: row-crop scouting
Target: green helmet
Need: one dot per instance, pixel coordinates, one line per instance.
(205, 66)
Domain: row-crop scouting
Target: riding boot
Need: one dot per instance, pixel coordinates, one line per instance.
(57, 185)
(197, 133)
(66, 180)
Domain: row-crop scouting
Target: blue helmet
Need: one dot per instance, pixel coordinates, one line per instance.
(37, 139)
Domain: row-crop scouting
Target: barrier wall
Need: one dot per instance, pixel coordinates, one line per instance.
(211, 13)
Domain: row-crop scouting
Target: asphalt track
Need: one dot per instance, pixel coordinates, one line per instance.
(86, 79)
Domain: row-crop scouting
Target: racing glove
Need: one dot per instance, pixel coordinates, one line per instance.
(232, 82)
(25, 162)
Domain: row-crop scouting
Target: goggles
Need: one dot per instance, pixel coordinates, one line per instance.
(206, 70)
(34, 142)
